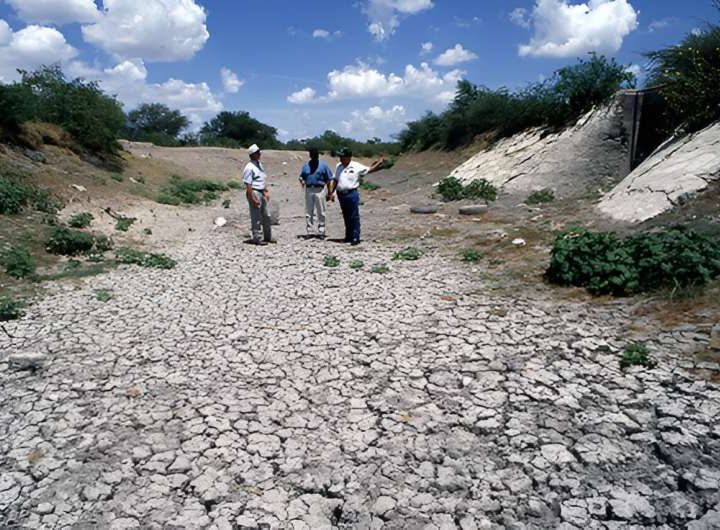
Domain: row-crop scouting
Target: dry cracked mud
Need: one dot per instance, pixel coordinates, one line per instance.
(253, 387)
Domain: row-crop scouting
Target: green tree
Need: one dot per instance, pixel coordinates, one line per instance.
(238, 129)
(156, 118)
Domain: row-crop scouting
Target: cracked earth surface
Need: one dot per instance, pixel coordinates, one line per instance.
(252, 387)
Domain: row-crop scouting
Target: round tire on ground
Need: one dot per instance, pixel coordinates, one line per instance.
(424, 209)
(474, 209)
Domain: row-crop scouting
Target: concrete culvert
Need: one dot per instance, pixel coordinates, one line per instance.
(474, 209)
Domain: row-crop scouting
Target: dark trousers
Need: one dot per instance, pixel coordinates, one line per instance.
(350, 206)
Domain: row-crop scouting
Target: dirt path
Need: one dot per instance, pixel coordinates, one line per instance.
(253, 387)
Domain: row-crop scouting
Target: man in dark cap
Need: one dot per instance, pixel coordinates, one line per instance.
(348, 175)
(315, 176)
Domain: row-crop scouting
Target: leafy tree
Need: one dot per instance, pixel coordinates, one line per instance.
(156, 118)
(234, 129)
(689, 77)
(81, 108)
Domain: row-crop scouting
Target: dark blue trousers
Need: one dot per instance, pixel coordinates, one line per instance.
(350, 206)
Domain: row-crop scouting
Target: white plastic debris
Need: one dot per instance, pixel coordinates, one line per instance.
(519, 242)
(78, 187)
(220, 221)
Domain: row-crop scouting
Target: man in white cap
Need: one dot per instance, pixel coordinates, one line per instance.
(258, 197)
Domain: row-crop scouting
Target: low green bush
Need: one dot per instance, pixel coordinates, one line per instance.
(123, 224)
(636, 354)
(407, 254)
(451, 189)
(235, 185)
(540, 197)
(331, 261)
(81, 220)
(605, 264)
(10, 309)
(68, 242)
(369, 186)
(226, 204)
(471, 255)
(15, 195)
(131, 256)
(18, 262)
(103, 296)
(356, 264)
(187, 191)
(117, 177)
(380, 268)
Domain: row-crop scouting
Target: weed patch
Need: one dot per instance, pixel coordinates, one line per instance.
(605, 264)
(380, 268)
(18, 262)
(451, 189)
(10, 309)
(68, 242)
(331, 261)
(117, 177)
(103, 296)
(540, 197)
(369, 186)
(356, 264)
(226, 204)
(471, 255)
(123, 224)
(81, 220)
(636, 354)
(407, 254)
(187, 191)
(130, 256)
(235, 185)
(15, 195)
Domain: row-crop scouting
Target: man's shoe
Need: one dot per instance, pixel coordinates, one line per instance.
(321, 237)
(355, 242)
(258, 242)
(273, 241)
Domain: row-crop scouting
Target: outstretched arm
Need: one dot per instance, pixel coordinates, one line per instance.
(377, 165)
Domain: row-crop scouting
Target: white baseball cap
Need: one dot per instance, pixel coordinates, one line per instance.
(253, 149)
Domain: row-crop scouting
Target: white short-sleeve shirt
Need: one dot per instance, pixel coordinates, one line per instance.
(254, 174)
(348, 177)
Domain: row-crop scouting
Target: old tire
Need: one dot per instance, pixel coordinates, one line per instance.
(474, 209)
(424, 209)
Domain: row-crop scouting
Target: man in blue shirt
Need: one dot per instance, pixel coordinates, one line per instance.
(315, 177)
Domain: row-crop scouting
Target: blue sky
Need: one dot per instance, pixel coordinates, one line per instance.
(362, 68)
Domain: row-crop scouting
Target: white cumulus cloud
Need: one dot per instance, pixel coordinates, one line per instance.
(230, 80)
(306, 95)
(562, 29)
(519, 16)
(383, 15)
(362, 81)
(375, 121)
(54, 11)
(454, 56)
(321, 34)
(30, 48)
(155, 30)
(425, 48)
(128, 81)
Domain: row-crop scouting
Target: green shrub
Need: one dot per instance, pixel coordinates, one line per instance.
(186, 191)
(407, 254)
(480, 189)
(636, 354)
(18, 262)
(226, 204)
(130, 256)
(10, 309)
(123, 224)
(380, 268)
(147, 231)
(117, 177)
(356, 264)
(15, 195)
(450, 188)
(140, 179)
(605, 264)
(81, 220)
(369, 186)
(540, 197)
(103, 296)
(235, 185)
(68, 242)
(471, 255)
(331, 261)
